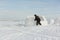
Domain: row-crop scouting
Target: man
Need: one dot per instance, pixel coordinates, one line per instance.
(37, 19)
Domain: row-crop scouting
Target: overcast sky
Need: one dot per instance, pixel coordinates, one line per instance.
(17, 9)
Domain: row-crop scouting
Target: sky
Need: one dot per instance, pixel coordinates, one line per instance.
(18, 9)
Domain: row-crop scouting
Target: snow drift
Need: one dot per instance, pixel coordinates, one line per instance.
(30, 20)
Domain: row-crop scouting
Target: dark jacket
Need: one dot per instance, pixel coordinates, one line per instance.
(37, 19)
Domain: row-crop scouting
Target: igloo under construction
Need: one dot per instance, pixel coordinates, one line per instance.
(30, 21)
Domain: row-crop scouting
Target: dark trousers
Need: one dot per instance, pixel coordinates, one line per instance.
(38, 23)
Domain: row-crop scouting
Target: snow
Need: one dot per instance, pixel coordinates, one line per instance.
(30, 20)
(16, 30)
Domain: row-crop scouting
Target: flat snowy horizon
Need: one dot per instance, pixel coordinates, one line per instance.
(19, 30)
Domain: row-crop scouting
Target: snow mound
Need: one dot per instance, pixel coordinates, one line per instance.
(51, 21)
(57, 21)
(30, 21)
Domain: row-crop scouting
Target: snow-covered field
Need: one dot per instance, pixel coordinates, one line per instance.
(16, 30)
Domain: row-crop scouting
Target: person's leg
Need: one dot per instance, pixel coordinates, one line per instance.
(39, 23)
(36, 23)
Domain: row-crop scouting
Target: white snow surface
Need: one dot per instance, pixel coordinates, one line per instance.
(18, 30)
